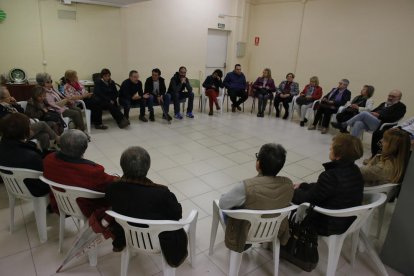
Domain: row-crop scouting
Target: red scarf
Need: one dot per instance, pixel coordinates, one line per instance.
(76, 85)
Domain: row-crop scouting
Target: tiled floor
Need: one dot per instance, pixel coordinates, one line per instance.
(199, 159)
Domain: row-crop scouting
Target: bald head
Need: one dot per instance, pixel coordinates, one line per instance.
(394, 96)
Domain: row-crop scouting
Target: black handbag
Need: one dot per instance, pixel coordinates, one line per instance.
(302, 247)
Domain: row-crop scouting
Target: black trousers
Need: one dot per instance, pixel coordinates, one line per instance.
(234, 93)
(97, 106)
(346, 115)
(325, 115)
(285, 102)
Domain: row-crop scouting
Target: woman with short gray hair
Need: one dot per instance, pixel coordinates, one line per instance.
(59, 102)
(136, 196)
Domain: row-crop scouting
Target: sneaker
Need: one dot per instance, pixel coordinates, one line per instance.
(190, 115)
(311, 127)
(151, 117)
(178, 116)
(101, 126)
(142, 118)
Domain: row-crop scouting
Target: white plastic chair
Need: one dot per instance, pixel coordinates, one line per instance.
(13, 179)
(204, 98)
(335, 242)
(389, 190)
(262, 229)
(87, 115)
(146, 241)
(66, 197)
(23, 104)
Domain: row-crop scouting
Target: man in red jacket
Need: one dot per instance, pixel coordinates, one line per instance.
(67, 167)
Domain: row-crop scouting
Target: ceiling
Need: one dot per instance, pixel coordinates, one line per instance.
(114, 3)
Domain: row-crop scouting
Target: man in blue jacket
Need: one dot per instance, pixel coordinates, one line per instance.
(235, 82)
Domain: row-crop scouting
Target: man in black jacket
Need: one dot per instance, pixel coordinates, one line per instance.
(180, 88)
(105, 94)
(155, 86)
(131, 94)
(387, 112)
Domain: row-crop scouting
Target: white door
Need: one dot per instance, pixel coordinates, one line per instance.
(216, 51)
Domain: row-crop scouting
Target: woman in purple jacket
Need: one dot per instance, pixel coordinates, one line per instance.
(263, 89)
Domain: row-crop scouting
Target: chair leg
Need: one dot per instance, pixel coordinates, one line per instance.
(381, 212)
(124, 262)
(192, 240)
(61, 229)
(334, 251)
(88, 120)
(214, 227)
(253, 106)
(93, 255)
(39, 206)
(276, 251)
(354, 247)
(373, 254)
(12, 203)
(167, 270)
(235, 262)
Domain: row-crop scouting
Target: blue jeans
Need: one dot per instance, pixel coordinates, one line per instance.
(166, 99)
(363, 121)
(128, 103)
(177, 97)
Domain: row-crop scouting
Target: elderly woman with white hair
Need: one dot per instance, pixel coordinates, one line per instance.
(60, 103)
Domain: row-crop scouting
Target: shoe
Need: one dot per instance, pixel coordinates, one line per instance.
(189, 115)
(101, 126)
(178, 116)
(302, 123)
(311, 127)
(233, 109)
(319, 127)
(168, 118)
(306, 120)
(238, 108)
(142, 118)
(210, 113)
(286, 115)
(218, 107)
(277, 113)
(123, 123)
(337, 125)
(151, 117)
(324, 130)
(118, 249)
(259, 114)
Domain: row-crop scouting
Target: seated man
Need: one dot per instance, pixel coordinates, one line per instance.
(266, 191)
(180, 88)
(38, 130)
(136, 196)
(330, 104)
(17, 152)
(68, 167)
(235, 82)
(105, 95)
(155, 85)
(131, 94)
(387, 112)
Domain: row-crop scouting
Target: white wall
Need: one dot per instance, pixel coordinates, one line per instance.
(368, 42)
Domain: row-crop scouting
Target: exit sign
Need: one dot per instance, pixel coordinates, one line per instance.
(221, 25)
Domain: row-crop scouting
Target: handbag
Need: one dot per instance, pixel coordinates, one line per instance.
(56, 118)
(302, 246)
(302, 100)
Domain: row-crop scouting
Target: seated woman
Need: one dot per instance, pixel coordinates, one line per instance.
(38, 130)
(212, 84)
(266, 191)
(37, 109)
(389, 166)
(17, 152)
(310, 93)
(362, 102)
(106, 95)
(340, 186)
(287, 90)
(330, 104)
(57, 102)
(136, 196)
(263, 89)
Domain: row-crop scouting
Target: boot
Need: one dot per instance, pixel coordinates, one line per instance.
(151, 117)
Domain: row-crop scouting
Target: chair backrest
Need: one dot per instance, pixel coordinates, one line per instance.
(144, 236)
(66, 197)
(23, 104)
(388, 189)
(195, 83)
(362, 212)
(264, 224)
(13, 179)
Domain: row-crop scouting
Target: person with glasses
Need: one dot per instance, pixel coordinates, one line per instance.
(330, 104)
(180, 88)
(387, 112)
(310, 93)
(266, 191)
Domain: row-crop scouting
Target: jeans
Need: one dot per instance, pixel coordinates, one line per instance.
(363, 121)
(177, 97)
(262, 96)
(166, 99)
(127, 103)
